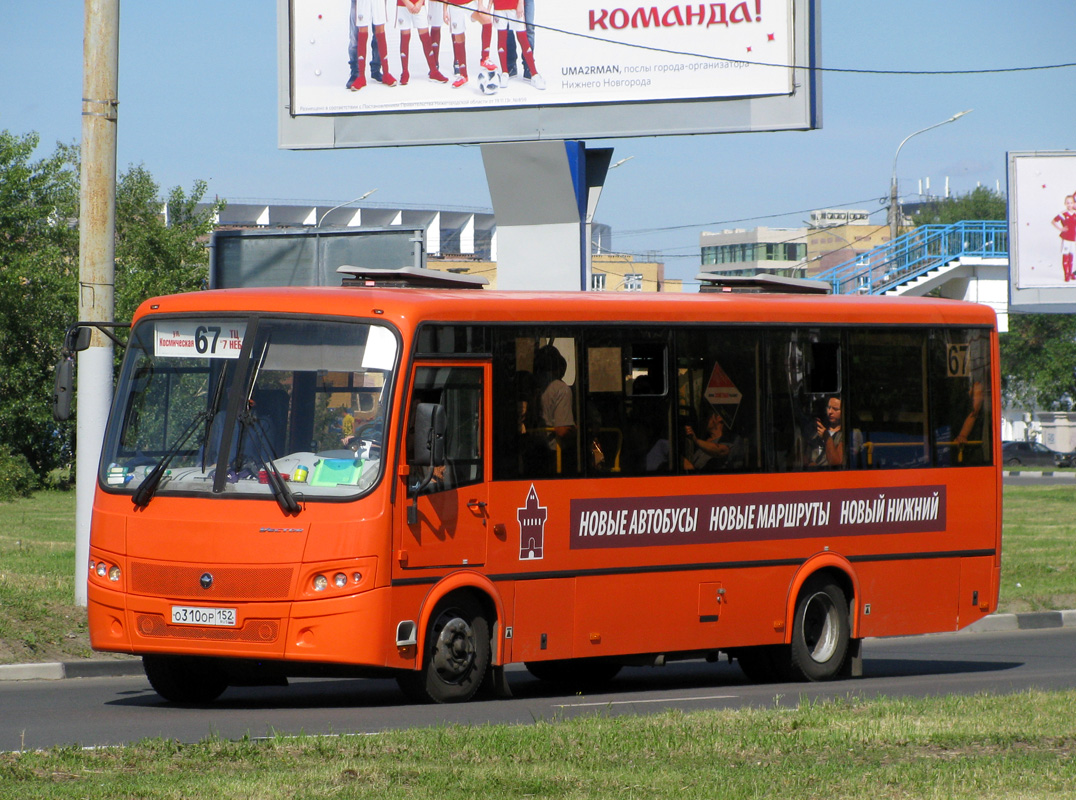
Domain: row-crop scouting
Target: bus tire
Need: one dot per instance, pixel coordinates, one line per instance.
(185, 679)
(575, 673)
(820, 631)
(456, 657)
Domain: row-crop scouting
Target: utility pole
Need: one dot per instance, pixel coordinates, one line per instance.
(96, 259)
(894, 200)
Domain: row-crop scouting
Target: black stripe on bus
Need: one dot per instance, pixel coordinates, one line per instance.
(700, 567)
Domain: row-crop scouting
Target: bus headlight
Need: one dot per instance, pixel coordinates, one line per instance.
(345, 577)
(114, 574)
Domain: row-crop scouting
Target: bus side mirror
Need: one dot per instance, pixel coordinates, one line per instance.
(77, 339)
(62, 389)
(429, 439)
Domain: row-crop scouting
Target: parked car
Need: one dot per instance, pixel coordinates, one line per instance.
(1030, 454)
(1067, 459)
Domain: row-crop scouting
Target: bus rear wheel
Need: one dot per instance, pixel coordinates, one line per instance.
(456, 656)
(820, 631)
(185, 679)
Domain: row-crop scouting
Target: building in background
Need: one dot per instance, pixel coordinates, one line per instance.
(458, 240)
(610, 272)
(836, 236)
(757, 251)
(830, 237)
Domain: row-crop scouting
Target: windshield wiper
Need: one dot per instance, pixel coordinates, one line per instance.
(144, 493)
(284, 497)
(212, 412)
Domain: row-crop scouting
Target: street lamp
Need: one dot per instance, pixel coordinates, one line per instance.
(349, 202)
(894, 209)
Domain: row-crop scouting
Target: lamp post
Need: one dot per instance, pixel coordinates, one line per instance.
(349, 202)
(894, 209)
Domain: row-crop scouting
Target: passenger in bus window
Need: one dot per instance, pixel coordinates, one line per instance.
(347, 425)
(598, 461)
(973, 420)
(827, 447)
(969, 437)
(719, 449)
(555, 399)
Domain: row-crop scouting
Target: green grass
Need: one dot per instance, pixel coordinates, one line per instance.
(1020, 746)
(1038, 553)
(40, 622)
(988, 748)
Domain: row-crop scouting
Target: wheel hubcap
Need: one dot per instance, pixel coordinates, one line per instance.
(820, 627)
(454, 651)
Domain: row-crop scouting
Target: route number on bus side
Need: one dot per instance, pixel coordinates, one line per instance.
(958, 361)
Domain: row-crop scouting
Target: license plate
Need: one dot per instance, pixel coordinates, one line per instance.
(195, 615)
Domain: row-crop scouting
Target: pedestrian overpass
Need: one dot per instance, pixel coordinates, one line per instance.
(966, 260)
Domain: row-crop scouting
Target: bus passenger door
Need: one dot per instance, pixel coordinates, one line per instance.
(443, 522)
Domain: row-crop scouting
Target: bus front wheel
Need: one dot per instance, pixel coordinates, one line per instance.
(820, 631)
(456, 656)
(185, 679)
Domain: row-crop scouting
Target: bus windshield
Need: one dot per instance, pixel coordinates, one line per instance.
(250, 406)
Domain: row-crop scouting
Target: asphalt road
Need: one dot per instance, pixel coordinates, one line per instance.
(109, 711)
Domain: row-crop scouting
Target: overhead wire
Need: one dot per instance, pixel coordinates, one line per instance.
(667, 228)
(809, 67)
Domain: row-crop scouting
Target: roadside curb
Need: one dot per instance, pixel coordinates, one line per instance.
(1031, 473)
(56, 670)
(1038, 620)
(108, 668)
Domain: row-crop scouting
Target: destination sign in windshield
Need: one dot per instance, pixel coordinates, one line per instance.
(199, 339)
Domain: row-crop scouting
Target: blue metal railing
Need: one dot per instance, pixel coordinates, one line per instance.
(917, 252)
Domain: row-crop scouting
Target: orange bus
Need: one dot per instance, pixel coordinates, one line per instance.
(434, 483)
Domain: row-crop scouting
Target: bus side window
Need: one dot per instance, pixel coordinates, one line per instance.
(628, 403)
(887, 389)
(535, 403)
(719, 408)
(960, 391)
(804, 376)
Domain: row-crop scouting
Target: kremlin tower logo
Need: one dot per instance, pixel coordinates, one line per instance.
(531, 527)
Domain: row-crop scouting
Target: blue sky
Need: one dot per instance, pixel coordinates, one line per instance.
(197, 92)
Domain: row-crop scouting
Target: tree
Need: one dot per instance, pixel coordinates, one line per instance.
(1038, 361)
(1038, 354)
(979, 203)
(161, 248)
(38, 285)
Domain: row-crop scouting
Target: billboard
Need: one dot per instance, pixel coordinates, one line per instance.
(308, 256)
(1042, 231)
(482, 71)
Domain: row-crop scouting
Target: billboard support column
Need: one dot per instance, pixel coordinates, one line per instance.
(544, 195)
